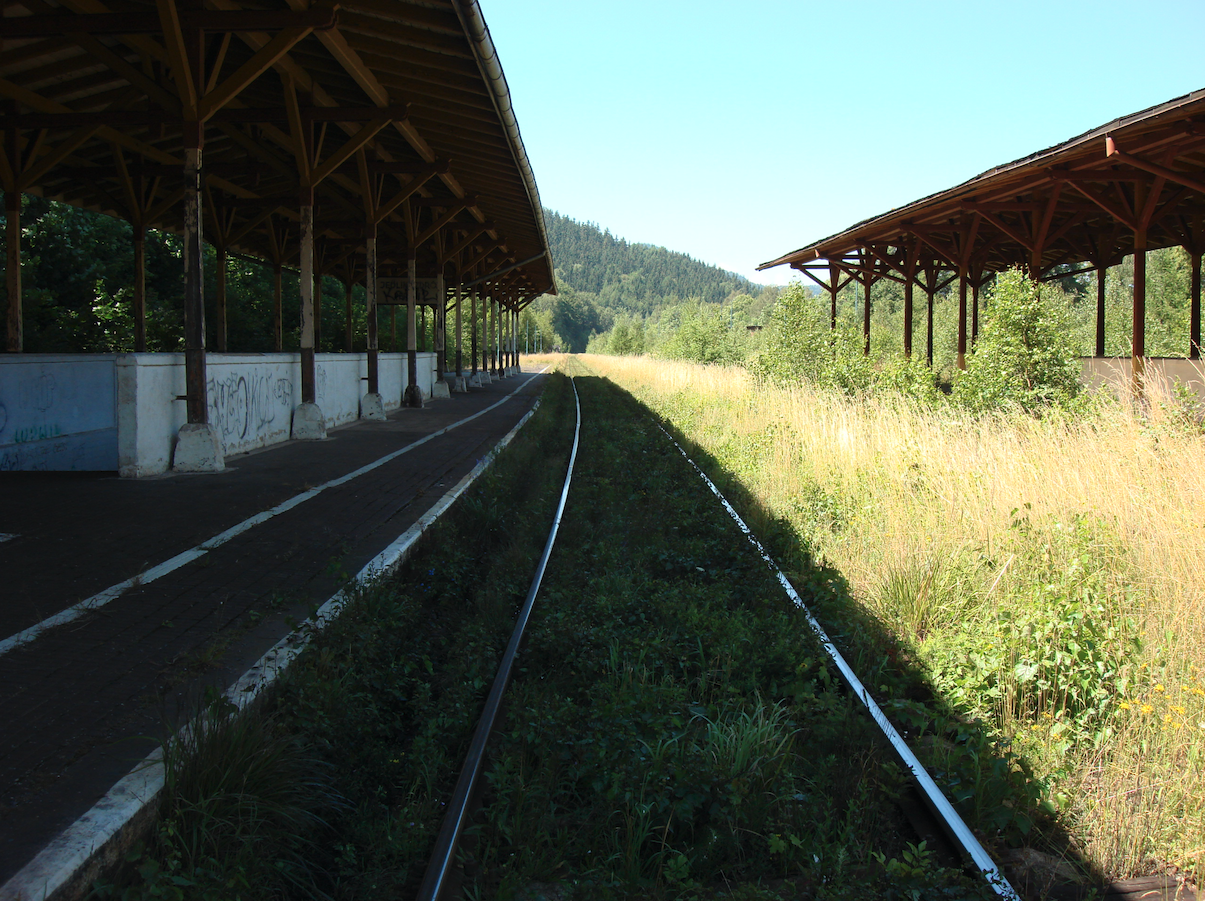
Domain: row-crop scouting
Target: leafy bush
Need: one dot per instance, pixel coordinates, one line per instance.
(801, 345)
(1026, 357)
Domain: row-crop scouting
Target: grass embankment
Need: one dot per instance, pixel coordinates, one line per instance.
(1046, 575)
(672, 730)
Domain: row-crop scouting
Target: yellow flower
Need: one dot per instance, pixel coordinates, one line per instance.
(1176, 708)
(1147, 708)
(1124, 705)
(1158, 686)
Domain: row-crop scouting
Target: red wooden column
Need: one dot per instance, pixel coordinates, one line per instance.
(12, 232)
(976, 283)
(866, 316)
(1194, 310)
(962, 320)
(1102, 272)
(1138, 341)
(833, 286)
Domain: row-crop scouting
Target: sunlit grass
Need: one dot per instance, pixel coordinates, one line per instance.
(1016, 541)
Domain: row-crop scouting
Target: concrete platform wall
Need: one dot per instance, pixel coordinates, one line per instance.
(58, 412)
(1162, 374)
(121, 412)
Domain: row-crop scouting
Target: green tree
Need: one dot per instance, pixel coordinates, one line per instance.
(1026, 358)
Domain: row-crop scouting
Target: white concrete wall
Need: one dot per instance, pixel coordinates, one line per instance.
(1162, 373)
(58, 412)
(120, 411)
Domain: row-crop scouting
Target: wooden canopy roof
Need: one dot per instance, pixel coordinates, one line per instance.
(1138, 181)
(395, 113)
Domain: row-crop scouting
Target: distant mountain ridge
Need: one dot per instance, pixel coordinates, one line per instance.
(632, 278)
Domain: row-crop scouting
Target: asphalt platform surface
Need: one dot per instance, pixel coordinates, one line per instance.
(84, 702)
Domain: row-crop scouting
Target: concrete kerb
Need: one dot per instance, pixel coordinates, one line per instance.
(66, 867)
(185, 557)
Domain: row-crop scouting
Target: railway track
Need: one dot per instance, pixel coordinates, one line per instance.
(958, 839)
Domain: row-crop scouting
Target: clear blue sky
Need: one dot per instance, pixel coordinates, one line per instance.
(738, 131)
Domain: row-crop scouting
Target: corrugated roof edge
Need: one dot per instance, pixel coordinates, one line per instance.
(1099, 131)
(473, 22)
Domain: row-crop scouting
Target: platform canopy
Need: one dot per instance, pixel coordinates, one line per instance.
(1132, 185)
(389, 117)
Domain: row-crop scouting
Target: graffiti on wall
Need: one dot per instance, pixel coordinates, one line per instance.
(246, 405)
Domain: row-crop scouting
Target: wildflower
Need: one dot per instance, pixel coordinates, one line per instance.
(1147, 708)
(1176, 708)
(1159, 686)
(1124, 705)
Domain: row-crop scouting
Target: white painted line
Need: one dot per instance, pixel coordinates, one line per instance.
(76, 847)
(113, 592)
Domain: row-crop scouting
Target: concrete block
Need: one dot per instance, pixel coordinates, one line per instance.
(308, 423)
(412, 397)
(198, 449)
(440, 390)
(475, 380)
(457, 383)
(372, 407)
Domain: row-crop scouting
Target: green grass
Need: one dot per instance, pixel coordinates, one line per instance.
(672, 731)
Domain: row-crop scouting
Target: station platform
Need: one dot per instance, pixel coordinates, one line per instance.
(83, 701)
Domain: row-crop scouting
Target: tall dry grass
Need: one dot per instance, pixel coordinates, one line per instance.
(900, 498)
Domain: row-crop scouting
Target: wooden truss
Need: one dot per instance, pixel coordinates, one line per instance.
(371, 137)
(1133, 185)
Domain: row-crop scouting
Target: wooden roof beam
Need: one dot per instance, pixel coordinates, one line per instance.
(317, 17)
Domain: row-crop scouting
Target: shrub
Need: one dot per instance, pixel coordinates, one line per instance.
(1026, 358)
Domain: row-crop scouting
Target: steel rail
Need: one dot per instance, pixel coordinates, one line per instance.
(933, 795)
(454, 819)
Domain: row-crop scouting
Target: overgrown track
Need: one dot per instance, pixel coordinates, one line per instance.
(962, 841)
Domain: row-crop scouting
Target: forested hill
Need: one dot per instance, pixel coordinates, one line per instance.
(633, 278)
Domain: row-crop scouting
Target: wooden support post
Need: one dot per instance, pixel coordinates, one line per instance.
(833, 274)
(347, 330)
(1102, 272)
(1138, 343)
(194, 281)
(962, 320)
(317, 310)
(908, 286)
(441, 331)
(866, 317)
(413, 396)
(278, 338)
(975, 311)
(370, 306)
(1194, 309)
(393, 329)
(220, 300)
(473, 329)
(459, 332)
(139, 232)
(929, 291)
(12, 231)
(306, 286)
